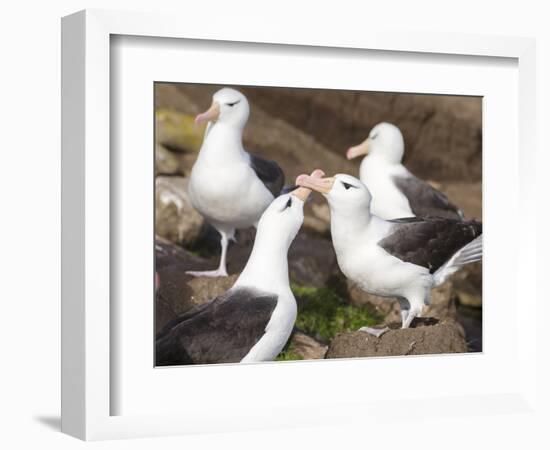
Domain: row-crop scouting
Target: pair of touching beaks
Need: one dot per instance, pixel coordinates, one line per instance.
(303, 191)
(315, 182)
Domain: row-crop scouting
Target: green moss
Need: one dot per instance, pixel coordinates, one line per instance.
(324, 314)
(202, 252)
(288, 355)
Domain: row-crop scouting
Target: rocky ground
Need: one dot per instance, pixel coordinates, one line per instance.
(302, 130)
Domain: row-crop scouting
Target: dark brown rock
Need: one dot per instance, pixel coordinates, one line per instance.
(467, 285)
(311, 260)
(306, 347)
(442, 134)
(425, 338)
(177, 291)
(442, 303)
(168, 254)
(468, 195)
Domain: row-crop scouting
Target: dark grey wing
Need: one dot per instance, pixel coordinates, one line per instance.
(269, 172)
(431, 241)
(426, 200)
(222, 331)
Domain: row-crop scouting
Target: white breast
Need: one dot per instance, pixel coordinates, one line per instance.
(277, 331)
(374, 270)
(228, 194)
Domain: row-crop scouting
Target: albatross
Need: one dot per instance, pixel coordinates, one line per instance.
(230, 187)
(396, 192)
(253, 320)
(400, 258)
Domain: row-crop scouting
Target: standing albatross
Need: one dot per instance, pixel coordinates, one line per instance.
(253, 320)
(230, 187)
(400, 258)
(396, 193)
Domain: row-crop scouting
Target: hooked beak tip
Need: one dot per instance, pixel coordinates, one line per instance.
(300, 179)
(304, 190)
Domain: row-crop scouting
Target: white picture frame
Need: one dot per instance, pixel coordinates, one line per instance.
(87, 328)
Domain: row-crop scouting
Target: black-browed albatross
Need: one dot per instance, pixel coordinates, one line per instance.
(230, 187)
(396, 192)
(401, 258)
(253, 320)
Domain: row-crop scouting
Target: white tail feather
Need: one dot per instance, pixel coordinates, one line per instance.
(471, 252)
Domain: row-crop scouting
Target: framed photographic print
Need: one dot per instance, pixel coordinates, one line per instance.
(252, 217)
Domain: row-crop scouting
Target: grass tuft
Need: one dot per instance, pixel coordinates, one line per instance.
(288, 355)
(323, 314)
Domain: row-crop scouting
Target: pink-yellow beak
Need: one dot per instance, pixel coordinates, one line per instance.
(303, 192)
(211, 115)
(358, 150)
(318, 184)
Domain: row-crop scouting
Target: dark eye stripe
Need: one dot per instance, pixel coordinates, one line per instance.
(347, 185)
(233, 104)
(289, 203)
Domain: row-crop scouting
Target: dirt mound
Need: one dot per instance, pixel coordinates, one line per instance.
(426, 337)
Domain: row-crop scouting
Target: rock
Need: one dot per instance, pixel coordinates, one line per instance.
(467, 195)
(471, 320)
(179, 292)
(203, 289)
(168, 254)
(317, 217)
(170, 97)
(467, 284)
(164, 313)
(442, 305)
(386, 307)
(311, 260)
(267, 135)
(339, 119)
(166, 162)
(175, 217)
(306, 347)
(441, 337)
(178, 132)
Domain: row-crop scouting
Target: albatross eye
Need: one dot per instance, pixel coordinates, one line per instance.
(233, 104)
(288, 203)
(374, 136)
(347, 185)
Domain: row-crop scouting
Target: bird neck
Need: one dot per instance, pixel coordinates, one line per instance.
(267, 266)
(346, 225)
(222, 144)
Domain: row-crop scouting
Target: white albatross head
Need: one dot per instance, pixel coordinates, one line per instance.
(283, 218)
(345, 194)
(229, 106)
(385, 141)
(267, 267)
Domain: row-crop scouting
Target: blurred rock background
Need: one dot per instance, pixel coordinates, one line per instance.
(303, 129)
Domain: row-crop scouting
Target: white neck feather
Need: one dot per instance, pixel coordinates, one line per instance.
(267, 267)
(346, 226)
(222, 144)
